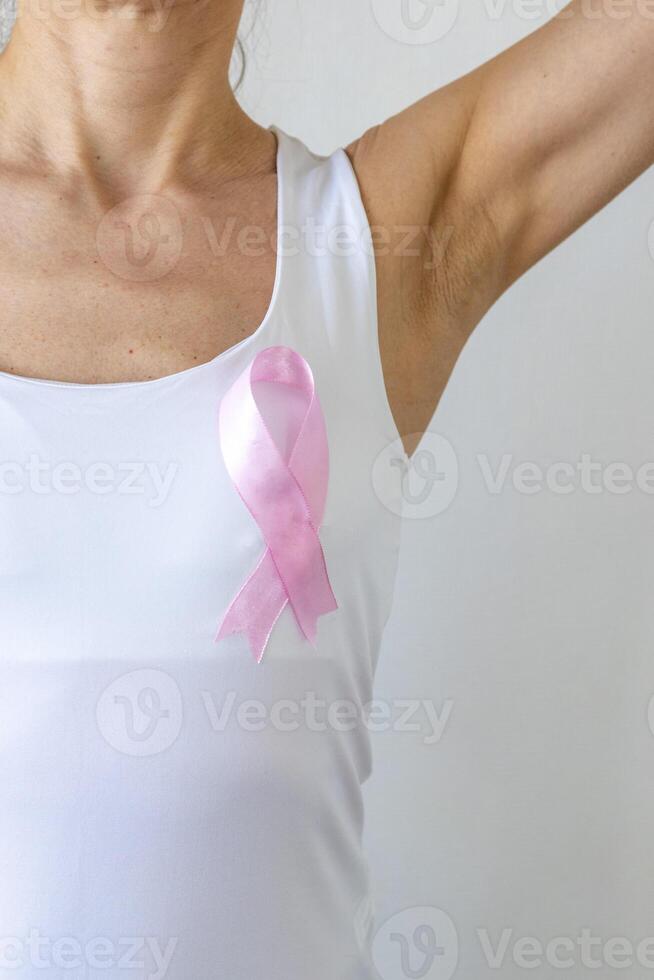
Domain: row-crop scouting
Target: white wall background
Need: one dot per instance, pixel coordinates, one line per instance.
(529, 617)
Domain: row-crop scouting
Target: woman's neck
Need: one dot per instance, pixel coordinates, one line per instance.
(124, 98)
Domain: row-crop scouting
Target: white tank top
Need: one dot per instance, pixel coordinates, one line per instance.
(170, 806)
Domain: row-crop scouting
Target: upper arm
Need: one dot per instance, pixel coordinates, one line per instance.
(564, 120)
(494, 170)
(538, 139)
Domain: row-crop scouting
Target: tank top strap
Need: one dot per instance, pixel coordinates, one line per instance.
(328, 294)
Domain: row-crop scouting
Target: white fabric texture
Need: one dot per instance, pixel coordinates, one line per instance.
(169, 807)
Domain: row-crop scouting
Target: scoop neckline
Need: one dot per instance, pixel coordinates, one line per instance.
(223, 355)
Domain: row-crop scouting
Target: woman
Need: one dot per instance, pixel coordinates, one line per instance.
(196, 421)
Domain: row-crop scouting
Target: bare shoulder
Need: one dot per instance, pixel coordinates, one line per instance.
(404, 164)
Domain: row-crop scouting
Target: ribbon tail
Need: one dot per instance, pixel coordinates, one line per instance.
(324, 602)
(307, 583)
(256, 608)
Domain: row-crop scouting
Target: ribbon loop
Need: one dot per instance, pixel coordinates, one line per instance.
(283, 482)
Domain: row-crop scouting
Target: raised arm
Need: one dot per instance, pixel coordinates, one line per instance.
(496, 169)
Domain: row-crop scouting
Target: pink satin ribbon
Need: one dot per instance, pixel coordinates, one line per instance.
(284, 488)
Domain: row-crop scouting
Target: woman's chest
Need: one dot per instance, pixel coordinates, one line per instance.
(126, 537)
